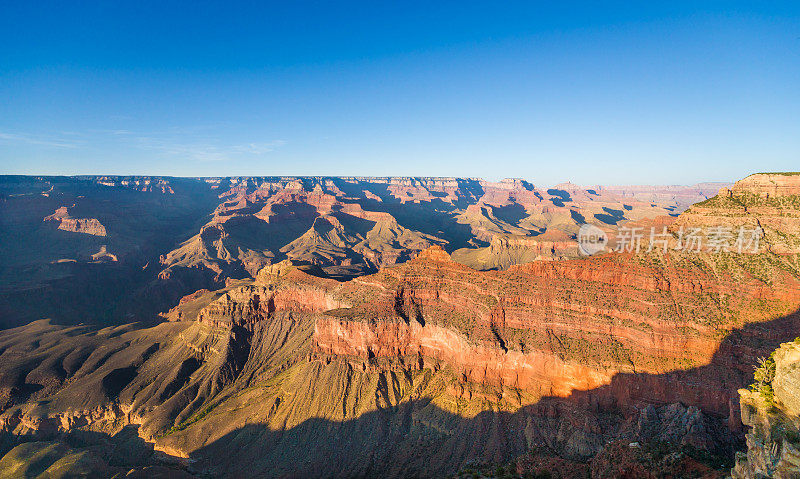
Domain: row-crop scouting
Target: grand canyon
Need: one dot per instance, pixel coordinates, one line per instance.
(399, 240)
(396, 327)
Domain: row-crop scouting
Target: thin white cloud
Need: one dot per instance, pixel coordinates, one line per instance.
(170, 145)
(206, 150)
(39, 140)
(259, 148)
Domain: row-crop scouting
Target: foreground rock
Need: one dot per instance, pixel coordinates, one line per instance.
(771, 408)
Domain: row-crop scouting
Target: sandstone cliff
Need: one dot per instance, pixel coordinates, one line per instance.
(767, 203)
(769, 185)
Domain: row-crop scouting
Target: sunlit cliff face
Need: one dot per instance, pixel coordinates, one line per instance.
(546, 329)
(551, 328)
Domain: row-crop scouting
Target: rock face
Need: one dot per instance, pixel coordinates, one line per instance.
(104, 255)
(551, 328)
(768, 185)
(766, 203)
(771, 410)
(89, 226)
(291, 291)
(536, 372)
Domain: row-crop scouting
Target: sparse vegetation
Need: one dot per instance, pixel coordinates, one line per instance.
(763, 375)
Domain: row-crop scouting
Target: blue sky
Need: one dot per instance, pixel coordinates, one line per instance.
(633, 92)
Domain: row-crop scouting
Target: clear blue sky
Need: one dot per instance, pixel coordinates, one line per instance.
(592, 92)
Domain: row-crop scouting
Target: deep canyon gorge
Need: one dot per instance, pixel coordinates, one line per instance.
(393, 327)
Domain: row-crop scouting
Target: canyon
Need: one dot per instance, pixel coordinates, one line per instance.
(153, 240)
(388, 327)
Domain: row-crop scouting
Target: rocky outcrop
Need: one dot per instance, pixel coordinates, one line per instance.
(90, 226)
(771, 409)
(82, 455)
(767, 185)
(506, 251)
(104, 255)
(248, 304)
(767, 204)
